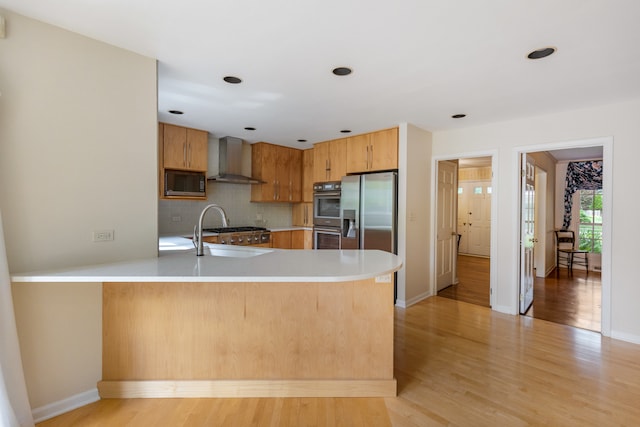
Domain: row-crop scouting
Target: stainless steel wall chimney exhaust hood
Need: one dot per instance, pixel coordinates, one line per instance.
(230, 162)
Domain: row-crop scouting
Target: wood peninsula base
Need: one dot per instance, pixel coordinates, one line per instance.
(240, 339)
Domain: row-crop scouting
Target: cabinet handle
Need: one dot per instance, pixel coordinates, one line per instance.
(274, 190)
(189, 155)
(290, 190)
(371, 157)
(366, 160)
(184, 155)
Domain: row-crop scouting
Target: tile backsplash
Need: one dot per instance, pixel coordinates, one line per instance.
(180, 216)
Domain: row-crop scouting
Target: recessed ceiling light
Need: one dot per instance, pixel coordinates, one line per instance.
(541, 53)
(176, 112)
(302, 140)
(232, 79)
(249, 128)
(345, 131)
(458, 116)
(342, 71)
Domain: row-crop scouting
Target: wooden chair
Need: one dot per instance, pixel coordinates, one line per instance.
(566, 253)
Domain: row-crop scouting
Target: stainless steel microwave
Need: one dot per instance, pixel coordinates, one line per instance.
(184, 183)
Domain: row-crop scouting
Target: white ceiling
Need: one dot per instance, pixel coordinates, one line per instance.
(416, 61)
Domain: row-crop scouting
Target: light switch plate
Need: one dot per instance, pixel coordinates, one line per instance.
(103, 235)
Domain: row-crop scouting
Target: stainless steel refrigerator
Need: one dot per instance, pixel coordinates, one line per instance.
(368, 211)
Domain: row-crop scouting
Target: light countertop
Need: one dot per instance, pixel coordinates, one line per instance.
(232, 264)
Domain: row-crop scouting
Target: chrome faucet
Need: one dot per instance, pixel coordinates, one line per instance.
(197, 230)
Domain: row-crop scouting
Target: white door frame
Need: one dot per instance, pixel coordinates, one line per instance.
(607, 187)
(493, 264)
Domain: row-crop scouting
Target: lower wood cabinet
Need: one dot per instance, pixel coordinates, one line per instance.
(302, 239)
(281, 239)
(292, 239)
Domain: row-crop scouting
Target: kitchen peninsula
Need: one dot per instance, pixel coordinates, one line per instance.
(245, 322)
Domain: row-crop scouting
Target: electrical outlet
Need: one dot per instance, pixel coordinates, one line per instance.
(176, 218)
(103, 236)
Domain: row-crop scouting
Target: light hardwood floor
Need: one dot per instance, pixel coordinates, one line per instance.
(473, 281)
(571, 299)
(456, 364)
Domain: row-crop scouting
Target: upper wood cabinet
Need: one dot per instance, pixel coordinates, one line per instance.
(181, 148)
(374, 151)
(184, 148)
(302, 214)
(329, 160)
(281, 170)
(307, 175)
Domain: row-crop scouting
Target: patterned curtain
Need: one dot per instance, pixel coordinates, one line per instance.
(580, 176)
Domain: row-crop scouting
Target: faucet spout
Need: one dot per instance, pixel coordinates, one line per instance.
(197, 232)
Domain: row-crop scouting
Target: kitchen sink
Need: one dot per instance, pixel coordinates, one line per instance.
(234, 251)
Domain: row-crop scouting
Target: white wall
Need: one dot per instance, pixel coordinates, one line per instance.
(78, 125)
(618, 121)
(414, 186)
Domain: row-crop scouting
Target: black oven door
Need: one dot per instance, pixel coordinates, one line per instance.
(326, 238)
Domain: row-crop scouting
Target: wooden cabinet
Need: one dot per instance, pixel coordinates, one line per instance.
(302, 214)
(184, 148)
(181, 148)
(292, 239)
(295, 175)
(281, 239)
(374, 151)
(330, 160)
(302, 239)
(307, 175)
(281, 170)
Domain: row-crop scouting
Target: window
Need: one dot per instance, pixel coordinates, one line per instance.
(590, 234)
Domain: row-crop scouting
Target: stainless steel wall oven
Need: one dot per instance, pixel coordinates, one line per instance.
(326, 215)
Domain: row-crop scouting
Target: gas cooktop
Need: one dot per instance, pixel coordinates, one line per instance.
(221, 230)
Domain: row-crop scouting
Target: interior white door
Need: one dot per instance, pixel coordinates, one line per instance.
(527, 232)
(446, 223)
(479, 219)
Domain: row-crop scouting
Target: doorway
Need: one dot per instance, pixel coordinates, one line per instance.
(576, 298)
(468, 204)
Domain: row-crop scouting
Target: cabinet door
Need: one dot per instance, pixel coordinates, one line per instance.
(384, 150)
(295, 175)
(302, 214)
(282, 174)
(321, 162)
(175, 147)
(297, 239)
(263, 167)
(358, 153)
(308, 239)
(307, 175)
(281, 239)
(338, 159)
(197, 150)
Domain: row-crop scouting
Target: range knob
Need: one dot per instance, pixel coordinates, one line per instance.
(223, 242)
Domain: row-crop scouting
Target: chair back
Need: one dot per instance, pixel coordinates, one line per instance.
(565, 239)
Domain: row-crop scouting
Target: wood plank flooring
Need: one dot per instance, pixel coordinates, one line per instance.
(571, 299)
(473, 281)
(457, 364)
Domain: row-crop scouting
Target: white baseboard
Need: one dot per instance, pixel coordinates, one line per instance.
(65, 405)
(624, 336)
(414, 300)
